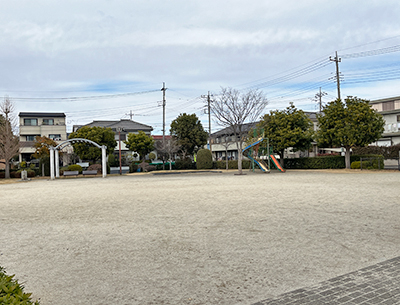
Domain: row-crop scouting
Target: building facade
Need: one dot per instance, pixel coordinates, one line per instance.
(389, 108)
(32, 124)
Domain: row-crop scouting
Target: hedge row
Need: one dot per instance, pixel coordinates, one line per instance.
(326, 162)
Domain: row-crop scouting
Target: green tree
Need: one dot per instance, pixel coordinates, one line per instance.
(287, 128)
(100, 135)
(9, 141)
(189, 133)
(349, 123)
(140, 143)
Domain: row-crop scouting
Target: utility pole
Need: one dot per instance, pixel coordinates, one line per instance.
(209, 118)
(319, 96)
(163, 89)
(337, 61)
(130, 114)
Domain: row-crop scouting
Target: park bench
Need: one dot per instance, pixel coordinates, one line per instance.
(89, 172)
(70, 173)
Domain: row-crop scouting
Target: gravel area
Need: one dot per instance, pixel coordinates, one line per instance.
(206, 238)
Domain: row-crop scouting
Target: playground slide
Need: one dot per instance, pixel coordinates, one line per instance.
(276, 163)
(261, 164)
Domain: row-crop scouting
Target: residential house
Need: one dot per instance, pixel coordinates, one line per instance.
(121, 129)
(32, 124)
(390, 110)
(224, 143)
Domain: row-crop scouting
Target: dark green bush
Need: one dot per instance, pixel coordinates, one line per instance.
(326, 162)
(75, 167)
(112, 160)
(133, 167)
(204, 159)
(185, 164)
(232, 164)
(11, 292)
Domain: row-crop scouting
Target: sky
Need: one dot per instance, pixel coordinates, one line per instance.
(107, 59)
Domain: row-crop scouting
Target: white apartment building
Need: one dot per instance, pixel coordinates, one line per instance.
(32, 124)
(390, 110)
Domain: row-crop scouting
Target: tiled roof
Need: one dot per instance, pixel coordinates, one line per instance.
(128, 125)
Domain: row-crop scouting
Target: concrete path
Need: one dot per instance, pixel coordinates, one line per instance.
(195, 238)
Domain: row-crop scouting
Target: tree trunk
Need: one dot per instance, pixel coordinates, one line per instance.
(226, 158)
(282, 158)
(347, 157)
(7, 169)
(240, 158)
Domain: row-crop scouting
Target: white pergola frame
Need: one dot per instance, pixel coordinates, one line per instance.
(54, 156)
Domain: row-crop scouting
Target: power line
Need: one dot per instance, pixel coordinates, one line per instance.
(79, 98)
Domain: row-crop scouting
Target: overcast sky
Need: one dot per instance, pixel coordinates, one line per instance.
(115, 55)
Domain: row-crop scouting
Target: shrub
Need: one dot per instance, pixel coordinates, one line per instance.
(355, 165)
(232, 164)
(185, 164)
(112, 160)
(11, 292)
(152, 156)
(327, 162)
(30, 173)
(133, 167)
(95, 167)
(204, 159)
(75, 167)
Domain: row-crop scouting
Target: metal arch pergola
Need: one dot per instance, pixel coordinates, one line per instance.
(54, 156)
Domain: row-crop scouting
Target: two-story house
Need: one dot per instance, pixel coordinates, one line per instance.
(32, 124)
(389, 108)
(121, 129)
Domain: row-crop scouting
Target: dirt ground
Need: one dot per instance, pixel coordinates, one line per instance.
(209, 238)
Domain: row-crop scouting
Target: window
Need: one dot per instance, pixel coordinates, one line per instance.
(30, 138)
(55, 137)
(30, 122)
(48, 122)
(388, 106)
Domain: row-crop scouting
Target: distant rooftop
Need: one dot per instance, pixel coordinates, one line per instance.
(42, 114)
(126, 124)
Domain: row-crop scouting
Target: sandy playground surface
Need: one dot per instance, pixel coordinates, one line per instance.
(194, 238)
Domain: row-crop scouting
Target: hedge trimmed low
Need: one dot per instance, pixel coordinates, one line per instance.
(325, 162)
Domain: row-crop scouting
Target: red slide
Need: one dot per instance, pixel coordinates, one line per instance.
(276, 163)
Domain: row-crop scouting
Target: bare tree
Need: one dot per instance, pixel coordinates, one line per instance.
(233, 109)
(167, 148)
(9, 142)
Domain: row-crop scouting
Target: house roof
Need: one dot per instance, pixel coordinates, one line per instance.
(126, 124)
(42, 114)
(228, 130)
(157, 137)
(390, 99)
(248, 126)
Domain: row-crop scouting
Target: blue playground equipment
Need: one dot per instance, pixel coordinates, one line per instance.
(258, 153)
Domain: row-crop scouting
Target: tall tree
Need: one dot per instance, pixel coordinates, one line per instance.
(349, 123)
(140, 143)
(287, 128)
(42, 150)
(233, 109)
(189, 133)
(100, 135)
(9, 141)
